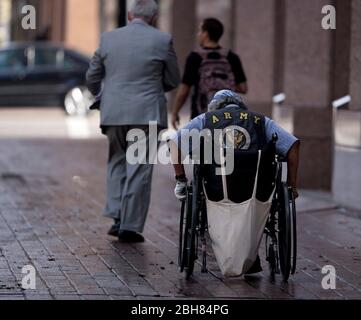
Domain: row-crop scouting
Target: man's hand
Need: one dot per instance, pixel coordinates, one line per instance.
(175, 120)
(180, 190)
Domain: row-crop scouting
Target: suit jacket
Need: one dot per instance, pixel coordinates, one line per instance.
(137, 65)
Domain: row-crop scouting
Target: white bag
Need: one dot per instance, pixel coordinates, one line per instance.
(236, 230)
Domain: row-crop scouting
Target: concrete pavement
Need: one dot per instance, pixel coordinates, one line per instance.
(51, 201)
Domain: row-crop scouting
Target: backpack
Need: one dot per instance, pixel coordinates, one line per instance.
(214, 75)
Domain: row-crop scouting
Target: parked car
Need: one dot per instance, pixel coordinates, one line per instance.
(42, 73)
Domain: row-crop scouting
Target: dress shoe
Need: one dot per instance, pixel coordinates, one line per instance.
(255, 268)
(130, 236)
(114, 229)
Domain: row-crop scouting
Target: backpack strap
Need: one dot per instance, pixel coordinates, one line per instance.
(205, 52)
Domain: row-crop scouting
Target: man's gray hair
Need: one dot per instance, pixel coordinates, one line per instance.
(147, 9)
(222, 101)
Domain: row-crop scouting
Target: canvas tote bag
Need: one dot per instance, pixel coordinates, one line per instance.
(236, 229)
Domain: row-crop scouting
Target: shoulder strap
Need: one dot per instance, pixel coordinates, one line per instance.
(224, 52)
(204, 52)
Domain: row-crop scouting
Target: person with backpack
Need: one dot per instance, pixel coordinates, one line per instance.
(209, 69)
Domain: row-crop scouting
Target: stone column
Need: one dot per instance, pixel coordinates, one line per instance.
(307, 82)
(254, 32)
(184, 28)
(347, 172)
(51, 19)
(355, 62)
(179, 18)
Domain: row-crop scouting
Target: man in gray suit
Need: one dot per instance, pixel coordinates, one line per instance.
(137, 65)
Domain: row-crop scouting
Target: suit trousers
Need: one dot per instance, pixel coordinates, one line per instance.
(128, 184)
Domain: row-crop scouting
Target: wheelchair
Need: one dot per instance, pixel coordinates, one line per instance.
(280, 231)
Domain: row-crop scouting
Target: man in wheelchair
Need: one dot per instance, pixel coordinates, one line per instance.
(237, 200)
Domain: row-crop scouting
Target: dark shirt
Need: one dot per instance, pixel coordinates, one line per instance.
(191, 74)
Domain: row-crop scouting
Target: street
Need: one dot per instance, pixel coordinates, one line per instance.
(52, 193)
(46, 122)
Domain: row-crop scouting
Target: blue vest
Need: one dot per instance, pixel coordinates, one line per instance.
(250, 134)
(246, 137)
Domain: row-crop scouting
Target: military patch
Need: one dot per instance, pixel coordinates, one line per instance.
(236, 137)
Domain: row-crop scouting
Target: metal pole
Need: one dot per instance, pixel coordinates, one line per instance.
(122, 13)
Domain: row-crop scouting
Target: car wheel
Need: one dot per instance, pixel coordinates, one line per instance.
(77, 101)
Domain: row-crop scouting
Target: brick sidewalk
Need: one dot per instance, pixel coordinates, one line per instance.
(51, 201)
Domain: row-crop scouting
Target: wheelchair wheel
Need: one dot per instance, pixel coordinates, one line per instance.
(182, 224)
(185, 232)
(271, 246)
(286, 231)
(294, 235)
(271, 257)
(192, 243)
(192, 227)
(191, 251)
(203, 228)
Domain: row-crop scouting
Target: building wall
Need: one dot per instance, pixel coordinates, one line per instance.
(308, 55)
(254, 41)
(347, 158)
(5, 15)
(82, 25)
(76, 23)
(355, 60)
(184, 27)
(308, 84)
(51, 14)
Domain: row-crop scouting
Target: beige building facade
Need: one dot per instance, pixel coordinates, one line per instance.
(75, 23)
(5, 21)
